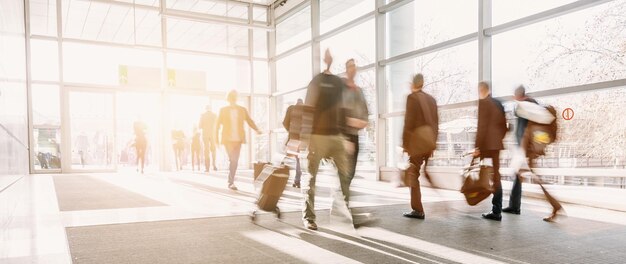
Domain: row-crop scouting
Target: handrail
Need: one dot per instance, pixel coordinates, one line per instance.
(13, 136)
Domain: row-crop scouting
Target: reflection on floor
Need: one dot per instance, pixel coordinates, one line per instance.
(188, 217)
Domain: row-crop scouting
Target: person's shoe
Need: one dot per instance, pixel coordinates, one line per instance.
(510, 210)
(310, 225)
(492, 216)
(553, 216)
(232, 187)
(207, 170)
(415, 214)
(214, 168)
(296, 185)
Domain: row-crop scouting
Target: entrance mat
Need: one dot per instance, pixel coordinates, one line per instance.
(82, 192)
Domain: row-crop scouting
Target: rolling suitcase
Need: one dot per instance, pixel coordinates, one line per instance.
(258, 167)
(477, 183)
(272, 181)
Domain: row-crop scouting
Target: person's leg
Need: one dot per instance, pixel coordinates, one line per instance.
(213, 148)
(413, 172)
(353, 158)
(298, 171)
(337, 152)
(515, 200)
(308, 190)
(497, 184)
(234, 150)
(207, 148)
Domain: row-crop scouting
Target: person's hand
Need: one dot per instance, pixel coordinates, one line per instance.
(476, 153)
(259, 132)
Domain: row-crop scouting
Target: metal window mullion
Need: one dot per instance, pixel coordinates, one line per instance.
(66, 143)
(251, 76)
(164, 86)
(315, 33)
(301, 6)
(381, 124)
(293, 50)
(271, 52)
(29, 95)
(484, 41)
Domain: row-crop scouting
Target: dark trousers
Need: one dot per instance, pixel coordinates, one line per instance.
(233, 149)
(497, 183)
(413, 173)
(515, 200)
(353, 159)
(298, 170)
(209, 152)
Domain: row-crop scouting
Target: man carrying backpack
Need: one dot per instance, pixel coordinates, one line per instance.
(515, 200)
(541, 130)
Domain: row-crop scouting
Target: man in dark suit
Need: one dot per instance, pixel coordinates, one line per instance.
(421, 110)
(231, 121)
(491, 130)
(515, 201)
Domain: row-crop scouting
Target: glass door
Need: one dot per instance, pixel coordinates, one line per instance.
(92, 131)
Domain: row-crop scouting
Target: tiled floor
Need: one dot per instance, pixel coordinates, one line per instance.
(35, 232)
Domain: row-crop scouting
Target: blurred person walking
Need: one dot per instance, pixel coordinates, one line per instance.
(230, 121)
(293, 124)
(196, 149)
(492, 128)
(419, 136)
(209, 137)
(324, 94)
(538, 131)
(357, 116)
(515, 200)
(178, 139)
(141, 143)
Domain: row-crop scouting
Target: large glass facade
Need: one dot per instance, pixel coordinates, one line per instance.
(561, 57)
(13, 95)
(138, 62)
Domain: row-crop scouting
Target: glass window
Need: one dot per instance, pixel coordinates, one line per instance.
(261, 77)
(423, 23)
(211, 7)
(220, 74)
(393, 142)
(260, 14)
(111, 23)
(505, 11)
(356, 43)
(294, 31)
(260, 114)
(45, 60)
(579, 48)
(216, 38)
(367, 153)
(335, 13)
(13, 54)
(450, 76)
(46, 105)
(294, 71)
(43, 17)
(260, 43)
(79, 64)
(587, 141)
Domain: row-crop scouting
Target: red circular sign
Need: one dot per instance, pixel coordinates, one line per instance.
(568, 114)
